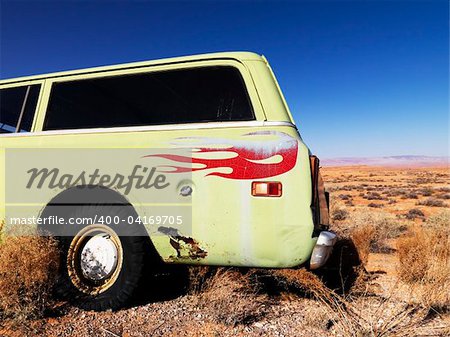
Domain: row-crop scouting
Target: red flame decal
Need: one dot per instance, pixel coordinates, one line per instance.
(243, 165)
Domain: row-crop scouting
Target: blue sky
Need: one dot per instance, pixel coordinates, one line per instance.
(362, 78)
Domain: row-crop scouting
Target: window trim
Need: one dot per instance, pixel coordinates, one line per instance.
(23, 108)
(38, 102)
(242, 68)
(165, 127)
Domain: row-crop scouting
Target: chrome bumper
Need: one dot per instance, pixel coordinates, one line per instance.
(322, 250)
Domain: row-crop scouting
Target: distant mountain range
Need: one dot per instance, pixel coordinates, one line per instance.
(398, 161)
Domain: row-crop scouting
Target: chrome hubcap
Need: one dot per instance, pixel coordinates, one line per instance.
(99, 257)
(94, 259)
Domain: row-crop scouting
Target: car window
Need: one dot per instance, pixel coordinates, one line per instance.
(207, 94)
(17, 108)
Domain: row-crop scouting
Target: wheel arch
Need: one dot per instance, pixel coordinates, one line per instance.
(90, 194)
(85, 195)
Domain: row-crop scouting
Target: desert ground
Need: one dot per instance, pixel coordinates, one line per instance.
(389, 276)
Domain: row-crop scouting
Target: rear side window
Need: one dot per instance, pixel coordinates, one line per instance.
(17, 108)
(208, 94)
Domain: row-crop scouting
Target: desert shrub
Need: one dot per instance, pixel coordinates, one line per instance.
(410, 195)
(339, 214)
(349, 203)
(395, 192)
(345, 196)
(301, 280)
(426, 192)
(423, 181)
(373, 196)
(443, 196)
(414, 213)
(233, 296)
(374, 205)
(424, 262)
(347, 188)
(28, 269)
(230, 297)
(433, 202)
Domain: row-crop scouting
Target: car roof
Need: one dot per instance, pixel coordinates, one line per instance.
(240, 56)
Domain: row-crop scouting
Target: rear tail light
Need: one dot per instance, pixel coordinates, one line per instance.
(267, 189)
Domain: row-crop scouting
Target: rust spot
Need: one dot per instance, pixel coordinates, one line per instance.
(186, 247)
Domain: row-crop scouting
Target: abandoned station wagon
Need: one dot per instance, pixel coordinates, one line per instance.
(224, 149)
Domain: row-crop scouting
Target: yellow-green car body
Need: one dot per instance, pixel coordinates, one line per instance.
(230, 226)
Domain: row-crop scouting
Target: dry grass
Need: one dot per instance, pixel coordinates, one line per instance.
(28, 267)
(229, 296)
(363, 237)
(232, 297)
(2, 232)
(386, 225)
(371, 231)
(351, 318)
(414, 255)
(199, 277)
(424, 262)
